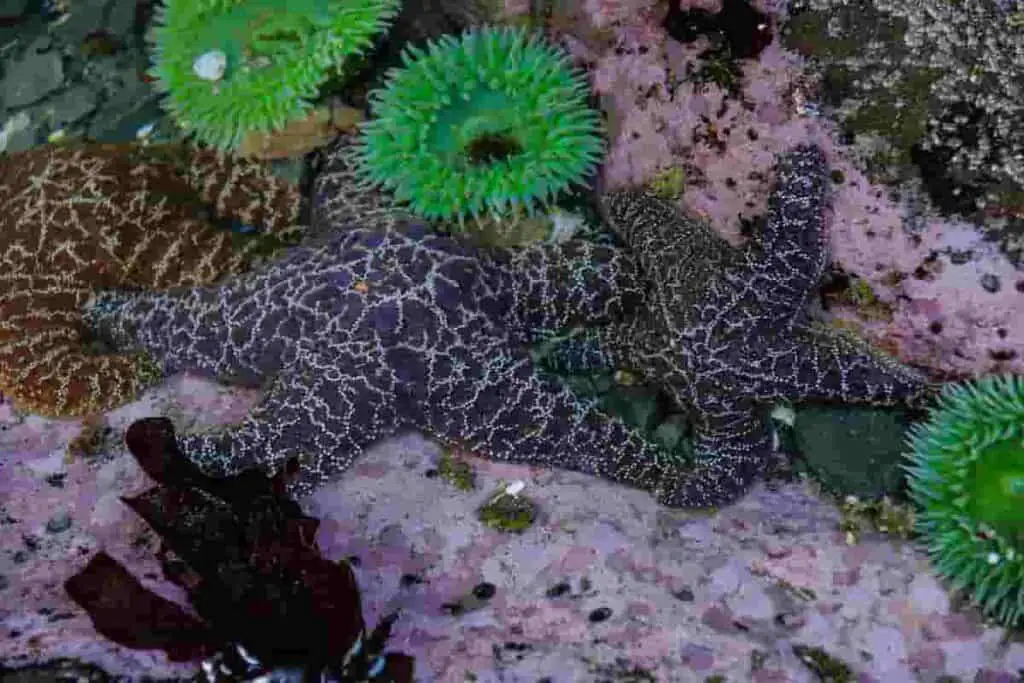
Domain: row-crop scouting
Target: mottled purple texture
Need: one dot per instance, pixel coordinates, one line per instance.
(658, 571)
(660, 119)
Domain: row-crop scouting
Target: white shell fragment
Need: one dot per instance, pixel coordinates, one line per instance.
(515, 488)
(210, 66)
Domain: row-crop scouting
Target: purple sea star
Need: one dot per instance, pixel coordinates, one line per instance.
(382, 325)
(727, 331)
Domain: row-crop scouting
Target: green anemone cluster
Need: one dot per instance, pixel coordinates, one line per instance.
(494, 121)
(967, 477)
(276, 56)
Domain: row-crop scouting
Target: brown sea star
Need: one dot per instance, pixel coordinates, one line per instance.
(84, 216)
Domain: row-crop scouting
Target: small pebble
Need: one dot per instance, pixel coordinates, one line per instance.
(59, 523)
(990, 283)
(600, 614)
(790, 620)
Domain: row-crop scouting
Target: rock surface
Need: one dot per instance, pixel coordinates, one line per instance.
(605, 581)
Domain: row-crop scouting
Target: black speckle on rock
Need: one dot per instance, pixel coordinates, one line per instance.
(1002, 355)
(453, 608)
(559, 589)
(740, 28)
(484, 590)
(56, 479)
(684, 594)
(960, 257)
(935, 327)
(431, 473)
(410, 580)
(600, 614)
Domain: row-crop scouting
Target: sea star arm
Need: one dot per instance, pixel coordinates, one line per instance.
(182, 329)
(50, 369)
(616, 345)
(243, 189)
(323, 410)
(732, 448)
(89, 216)
(666, 241)
(817, 363)
(552, 286)
(502, 409)
(581, 352)
(343, 199)
(576, 283)
(792, 251)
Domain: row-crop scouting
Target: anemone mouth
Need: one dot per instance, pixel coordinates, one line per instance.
(491, 149)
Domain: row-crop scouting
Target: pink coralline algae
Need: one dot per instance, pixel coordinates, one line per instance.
(953, 301)
(606, 582)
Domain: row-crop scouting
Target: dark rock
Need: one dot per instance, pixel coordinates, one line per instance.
(853, 450)
(36, 74)
(59, 523)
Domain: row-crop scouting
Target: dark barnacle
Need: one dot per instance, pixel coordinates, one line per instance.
(269, 606)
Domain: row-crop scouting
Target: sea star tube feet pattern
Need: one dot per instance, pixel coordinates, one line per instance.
(381, 326)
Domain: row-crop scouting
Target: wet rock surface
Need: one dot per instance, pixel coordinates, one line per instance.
(605, 583)
(73, 70)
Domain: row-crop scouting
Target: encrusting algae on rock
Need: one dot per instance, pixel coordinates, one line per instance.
(88, 216)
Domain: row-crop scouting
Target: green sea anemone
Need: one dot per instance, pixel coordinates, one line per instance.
(490, 122)
(967, 477)
(229, 67)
